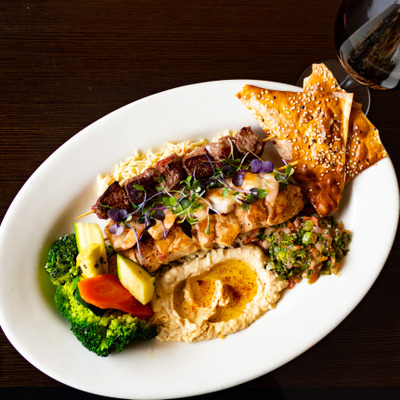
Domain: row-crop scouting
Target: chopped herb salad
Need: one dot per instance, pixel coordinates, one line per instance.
(305, 247)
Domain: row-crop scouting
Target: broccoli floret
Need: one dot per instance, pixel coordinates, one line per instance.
(100, 331)
(102, 334)
(61, 260)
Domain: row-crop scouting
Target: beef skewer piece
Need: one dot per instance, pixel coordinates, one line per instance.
(198, 163)
(202, 161)
(172, 172)
(123, 196)
(140, 187)
(247, 142)
(114, 197)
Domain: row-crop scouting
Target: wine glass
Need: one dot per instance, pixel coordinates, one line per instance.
(367, 41)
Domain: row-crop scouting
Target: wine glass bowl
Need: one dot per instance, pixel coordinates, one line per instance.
(367, 40)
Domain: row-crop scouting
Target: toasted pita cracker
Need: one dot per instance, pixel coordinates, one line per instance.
(321, 79)
(310, 129)
(364, 147)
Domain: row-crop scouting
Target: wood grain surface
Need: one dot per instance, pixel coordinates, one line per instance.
(65, 64)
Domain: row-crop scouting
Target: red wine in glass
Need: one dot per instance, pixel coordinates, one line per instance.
(367, 39)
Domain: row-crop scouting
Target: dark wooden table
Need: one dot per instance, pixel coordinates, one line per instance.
(64, 64)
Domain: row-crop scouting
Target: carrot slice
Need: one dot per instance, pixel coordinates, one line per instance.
(106, 291)
(314, 220)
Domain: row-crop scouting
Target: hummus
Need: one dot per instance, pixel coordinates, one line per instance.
(214, 296)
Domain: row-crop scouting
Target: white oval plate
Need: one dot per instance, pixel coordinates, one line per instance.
(63, 187)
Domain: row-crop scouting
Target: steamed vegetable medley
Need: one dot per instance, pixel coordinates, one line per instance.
(106, 306)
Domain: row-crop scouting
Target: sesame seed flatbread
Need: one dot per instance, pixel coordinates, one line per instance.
(321, 79)
(311, 129)
(364, 147)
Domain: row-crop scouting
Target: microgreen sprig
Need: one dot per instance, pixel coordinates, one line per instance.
(120, 218)
(283, 176)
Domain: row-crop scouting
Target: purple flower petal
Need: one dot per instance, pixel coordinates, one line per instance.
(256, 165)
(117, 215)
(122, 214)
(119, 230)
(267, 167)
(113, 228)
(116, 229)
(113, 214)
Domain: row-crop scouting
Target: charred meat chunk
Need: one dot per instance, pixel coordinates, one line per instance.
(198, 163)
(142, 186)
(223, 149)
(172, 171)
(114, 197)
(247, 142)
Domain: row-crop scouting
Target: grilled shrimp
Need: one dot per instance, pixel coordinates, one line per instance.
(159, 230)
(127, 239)
(262, 181)
(222, 204)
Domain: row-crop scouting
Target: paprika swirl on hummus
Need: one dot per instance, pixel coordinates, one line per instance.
(211, 297)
